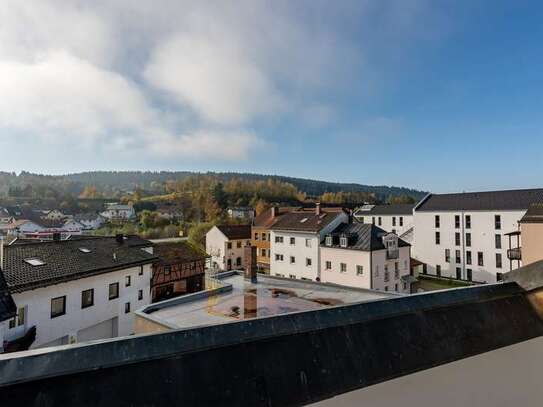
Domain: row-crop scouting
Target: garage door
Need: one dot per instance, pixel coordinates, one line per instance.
(106, 329)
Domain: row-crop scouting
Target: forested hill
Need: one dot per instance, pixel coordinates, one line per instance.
(129, 179)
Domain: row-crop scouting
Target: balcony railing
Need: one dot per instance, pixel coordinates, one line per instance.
(393, 254)
(514, 254)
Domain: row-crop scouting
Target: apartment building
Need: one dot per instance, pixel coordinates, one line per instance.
(74, 290)
(531, 232)
(463, 235)
(225, 243)
(396, 219)
(295, 241)
(365, 256)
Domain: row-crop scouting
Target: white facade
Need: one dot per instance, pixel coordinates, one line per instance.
(225, 254)
(463, 235)
(296, 254)
(365, 269)
(118, 212)
(401, 225)
(91, 223)
(106, 318)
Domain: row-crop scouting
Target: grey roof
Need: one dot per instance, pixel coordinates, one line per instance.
(534, 214)
(64, 261)
(235, 232)
(480, 201)
(399, 209)
(7, 305)
(364, 236)
(313, 223)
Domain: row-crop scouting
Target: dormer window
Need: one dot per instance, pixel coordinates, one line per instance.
(328, 240)
(343, 241)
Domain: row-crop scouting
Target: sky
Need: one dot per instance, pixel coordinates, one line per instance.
(443, 96)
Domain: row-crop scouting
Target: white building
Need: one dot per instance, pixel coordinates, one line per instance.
(75, 290)
(241, 212)
(295, 242)
(225, 243)
(462, 235)
(117, 212)
(90, 221)
(396, 219)
(365, 256)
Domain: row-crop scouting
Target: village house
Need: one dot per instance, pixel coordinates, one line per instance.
(241, 212)
(90, 221)
(118, 213)
(180, 269)
(225, 243)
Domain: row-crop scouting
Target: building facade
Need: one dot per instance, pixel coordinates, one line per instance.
(225, 243)
(463, 236)
(295, 242)
(365, 256)
(530, 249)
(396, 219)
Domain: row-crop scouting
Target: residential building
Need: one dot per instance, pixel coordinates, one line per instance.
(180, 270)
(261, 234)
(75, 290)
(170, 212)
(463, 235)
(295, 241)
(531, 232)
(365, 256)
(396, 219)
(241, 212)
(118, 213)
(53, 215)
(90, 221)
(225, 243)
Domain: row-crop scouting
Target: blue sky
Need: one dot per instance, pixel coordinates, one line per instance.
(435, 95)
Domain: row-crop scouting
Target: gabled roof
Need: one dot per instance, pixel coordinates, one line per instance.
(266, 220)
(235, 232)
(398, 209)
(178, 252)
(7, 305)
(534, 214)
(519, 199)
(306, 221)
(364, 236)
(64, 261)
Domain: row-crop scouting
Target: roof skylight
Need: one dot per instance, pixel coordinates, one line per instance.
(35, 262)
(303, 220)
(84, 250)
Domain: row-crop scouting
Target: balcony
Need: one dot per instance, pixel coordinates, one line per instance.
(514, 254)
(393, 254)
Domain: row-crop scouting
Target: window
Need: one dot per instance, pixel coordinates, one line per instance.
(263, 236)
(457, 221)
(401, 220)
(256, 236)
(373, 220)
(468, 274)
(292, 259)
(238, 244)
(292, 240)
(328, 240)
(58, 306)
(141, 271)
(447, 255)
(498, 241)
(128, 281)
(396, 287)
(292, 276)
(498, 260)
(308, 262)
(21, 315)
(394, 221)
(394, 231)
(279, 275)
(140, 295)
(468, 239)
(387, 275)
(386, 287)
(12, 323)
(457, 256)
(480, 259)
(328, 265)
(263, 252)
(379, 220)
(167, 269)
(278, 239)
(229, 245)
(359, 270)
(396, 270)
(468, 257)
(307, 242)
(404, 285)
(438, 238)
(343, 267)
(437, 221)
(458, 273)
(497, 222)
(126, 307)
(438, 270)
(279, 257)
(87, 298)
(468, 221)
(457, 239)
(362, 219)
(343, 241)
(113, 291)
(238, 261)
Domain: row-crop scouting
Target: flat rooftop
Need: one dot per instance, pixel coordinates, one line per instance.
(234, 299)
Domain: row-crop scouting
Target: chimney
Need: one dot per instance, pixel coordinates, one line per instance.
(250, 263)
(56, 237)
(318, 208)
(119, 238)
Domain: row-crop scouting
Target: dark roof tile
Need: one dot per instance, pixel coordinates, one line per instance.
(364, 236)
(235, 232)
